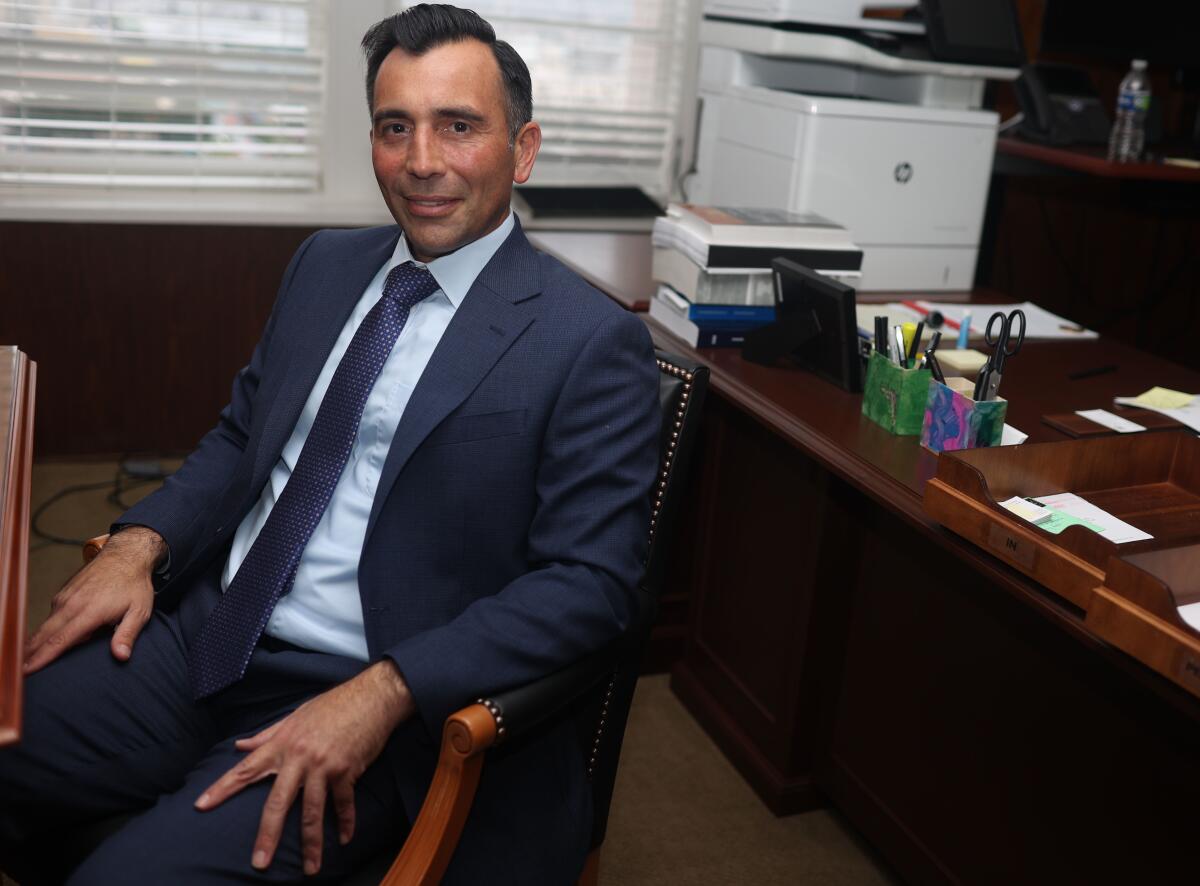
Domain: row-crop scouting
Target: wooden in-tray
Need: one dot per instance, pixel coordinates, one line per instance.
(1151, 481)
(1137, 610)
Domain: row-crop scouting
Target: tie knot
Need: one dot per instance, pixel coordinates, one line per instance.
(409, 284)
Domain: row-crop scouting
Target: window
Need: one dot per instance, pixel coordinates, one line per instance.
(161, 94)
(607, 82)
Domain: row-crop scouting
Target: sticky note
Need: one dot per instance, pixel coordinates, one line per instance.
(1162, 398)
(1027, 510)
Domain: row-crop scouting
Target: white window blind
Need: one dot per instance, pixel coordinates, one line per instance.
(192, 94)
(607, 80)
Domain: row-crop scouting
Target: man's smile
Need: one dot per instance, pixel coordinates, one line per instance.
(431, 207)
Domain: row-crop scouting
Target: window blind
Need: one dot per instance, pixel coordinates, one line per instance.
(607, 80)
(196, 94)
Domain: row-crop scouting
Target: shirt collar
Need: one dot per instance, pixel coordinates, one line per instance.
(455, 273)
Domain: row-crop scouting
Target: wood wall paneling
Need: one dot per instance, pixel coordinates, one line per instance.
(137, 329)
(1119, 257)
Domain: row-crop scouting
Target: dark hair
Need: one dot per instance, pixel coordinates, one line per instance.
(425, 26)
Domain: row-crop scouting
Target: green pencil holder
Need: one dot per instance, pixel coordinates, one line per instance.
(894, 398)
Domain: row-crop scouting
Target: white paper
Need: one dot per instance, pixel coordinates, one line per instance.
(1191, 614)
(1039, 323)
(1010, 436)
(1109, 420)
(1188, 415)
(1116, 531)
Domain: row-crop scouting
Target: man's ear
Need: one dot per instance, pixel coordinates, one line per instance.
(525, 148)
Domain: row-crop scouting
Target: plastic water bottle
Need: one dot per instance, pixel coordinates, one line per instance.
(1128, 135)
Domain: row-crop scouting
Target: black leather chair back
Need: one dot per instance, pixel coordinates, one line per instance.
(601, 719)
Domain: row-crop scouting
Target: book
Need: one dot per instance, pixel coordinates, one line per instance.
(700, 286)
(716, 316)
(666, 311)
(749, 239)
(757, 227)
(587, 207)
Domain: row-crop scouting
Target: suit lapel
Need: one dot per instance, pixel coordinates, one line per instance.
(331, 290)
(483, 328)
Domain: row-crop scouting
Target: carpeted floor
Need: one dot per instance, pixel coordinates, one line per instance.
(681, 814)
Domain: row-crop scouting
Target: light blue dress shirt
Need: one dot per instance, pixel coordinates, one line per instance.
(323, 611)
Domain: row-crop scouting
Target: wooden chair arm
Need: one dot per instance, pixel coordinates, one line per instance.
(92, 547)
(426, 853)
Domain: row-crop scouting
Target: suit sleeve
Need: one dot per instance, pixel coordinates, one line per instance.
(175, 510)
(586, 543)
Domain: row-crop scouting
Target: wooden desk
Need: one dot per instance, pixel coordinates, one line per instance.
(616, 262)
(17, 376)
(1094, 161)
(842, 647)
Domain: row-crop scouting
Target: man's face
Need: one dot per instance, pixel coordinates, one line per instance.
(439, 145)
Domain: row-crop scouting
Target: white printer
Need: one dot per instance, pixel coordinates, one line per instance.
(809, 107)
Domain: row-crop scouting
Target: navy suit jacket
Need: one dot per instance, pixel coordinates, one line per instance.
(509, 528)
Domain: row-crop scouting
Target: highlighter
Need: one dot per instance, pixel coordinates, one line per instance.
(964, 331)
(910, 331)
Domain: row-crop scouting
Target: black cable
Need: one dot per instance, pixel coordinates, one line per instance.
(121, 483)
(59, 496)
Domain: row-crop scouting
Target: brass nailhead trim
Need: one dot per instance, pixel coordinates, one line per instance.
(669, 457)
(612, 682)
(494, 710)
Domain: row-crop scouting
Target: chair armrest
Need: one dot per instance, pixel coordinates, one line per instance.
(92, 547)
(434, 836)
(522, 708)
(468, 733)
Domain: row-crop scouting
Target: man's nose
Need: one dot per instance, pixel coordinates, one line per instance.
(425, 155)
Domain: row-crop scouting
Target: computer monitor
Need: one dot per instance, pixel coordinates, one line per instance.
(815, 325)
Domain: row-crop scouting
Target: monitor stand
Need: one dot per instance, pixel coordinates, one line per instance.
(782, 338)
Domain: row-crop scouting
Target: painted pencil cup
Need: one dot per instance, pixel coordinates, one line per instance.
(954, 421)
(895, 398)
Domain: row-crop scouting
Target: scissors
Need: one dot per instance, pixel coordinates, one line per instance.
(1003, 345)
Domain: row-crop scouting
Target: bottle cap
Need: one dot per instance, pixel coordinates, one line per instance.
(1139, 64)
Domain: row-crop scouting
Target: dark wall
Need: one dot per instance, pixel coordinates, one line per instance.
(137, 330)
(1119, 257)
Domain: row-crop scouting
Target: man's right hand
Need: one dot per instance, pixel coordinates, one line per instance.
(114, 589)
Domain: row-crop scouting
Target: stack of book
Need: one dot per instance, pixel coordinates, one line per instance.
(713, 266)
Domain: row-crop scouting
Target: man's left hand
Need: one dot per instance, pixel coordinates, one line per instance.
(321, 748)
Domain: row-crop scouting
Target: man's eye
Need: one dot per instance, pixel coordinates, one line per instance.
(396, 129)
(460, 127)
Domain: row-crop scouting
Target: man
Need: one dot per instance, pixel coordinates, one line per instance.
(431, 482)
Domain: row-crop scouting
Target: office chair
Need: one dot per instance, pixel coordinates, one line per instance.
(596, 691)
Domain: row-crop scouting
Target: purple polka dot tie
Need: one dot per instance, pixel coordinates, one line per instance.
(222, 650)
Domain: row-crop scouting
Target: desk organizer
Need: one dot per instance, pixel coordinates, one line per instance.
(954, 421)
(1151, 481)
(1137, 610)
(894, 398)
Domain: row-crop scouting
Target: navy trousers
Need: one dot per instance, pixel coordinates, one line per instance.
(101, 737)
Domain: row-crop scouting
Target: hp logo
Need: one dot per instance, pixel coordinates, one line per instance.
(903, 172)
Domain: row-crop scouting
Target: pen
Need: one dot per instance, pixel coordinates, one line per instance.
(964, 330)
(898, 344)
(1088, 373)
(881, 335)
